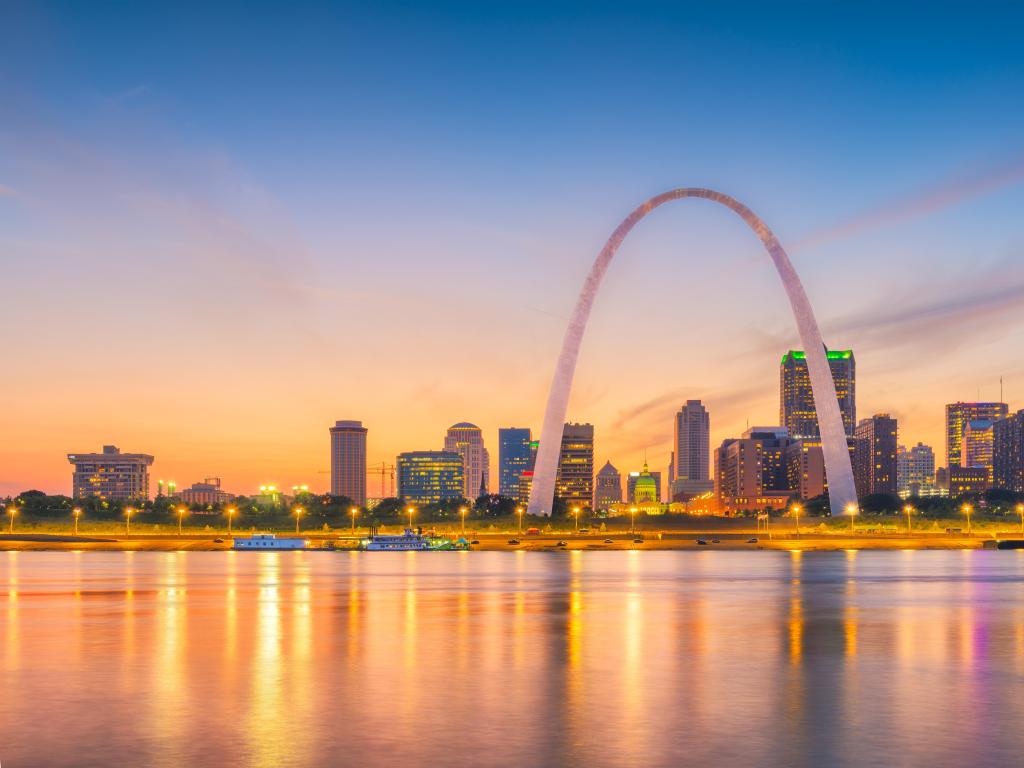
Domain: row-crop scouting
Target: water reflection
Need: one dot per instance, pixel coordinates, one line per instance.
(605, 659)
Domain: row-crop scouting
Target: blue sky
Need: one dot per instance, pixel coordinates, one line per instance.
(410, 195)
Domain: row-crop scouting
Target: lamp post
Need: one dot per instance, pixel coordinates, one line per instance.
(519, 512)
(11, 512)
(632, 519)
(462, 514)
(230, 512)
(410, 511)
(851, 510)
(181, 516)
(128, 520)
(907, 509)
(967, 511)
(354, 511)
(576, 511)
(77, 512)
(298, 515)
(796, 513)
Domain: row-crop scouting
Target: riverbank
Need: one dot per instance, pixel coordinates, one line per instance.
(648, 540)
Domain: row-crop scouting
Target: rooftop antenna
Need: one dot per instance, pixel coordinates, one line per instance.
(1001, 390)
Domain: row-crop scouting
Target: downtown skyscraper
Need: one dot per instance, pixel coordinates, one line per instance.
(467, 440)
(959, 416)
(691, 446)
(348, 460)
(574, 481)
(796, 399)
(876, 445)
(516, 452)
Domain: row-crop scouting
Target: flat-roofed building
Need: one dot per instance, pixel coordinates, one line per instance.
(348, 460)
(110, 474)
(1008, 453)
(796, 399)
(874, 455)
(976, 445)
(427, 477)
(958, 415)
(574, 482)
(206, 492)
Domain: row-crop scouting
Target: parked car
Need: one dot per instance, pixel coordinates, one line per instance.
(513, 542)
(701, 542)
(752, 540)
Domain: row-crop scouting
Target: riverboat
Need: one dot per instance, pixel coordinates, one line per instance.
(268, 542)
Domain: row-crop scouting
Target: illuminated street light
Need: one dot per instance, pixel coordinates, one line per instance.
(77, 512)
(410, 511)
(11, 512)
(298, 515)
(354, 511)
(851, 510)
(519, 511)
(462, 512)
(967, 511)
(181, 515)
(576, 511)
(796, 513)
(128, 512)
(632, 519)
(230, 512)
(908, 510)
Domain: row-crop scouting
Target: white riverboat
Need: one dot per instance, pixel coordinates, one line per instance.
(268, 542)
(410, 541)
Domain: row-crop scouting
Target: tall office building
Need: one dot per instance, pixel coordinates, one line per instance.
(110, 474)
(427, 477)
(874, 455)
(607, 487)
(976, 445)
(796, 400)
(468, 441)
(691, 445)
(958, 416)
(805, 469)
(1008, 453)
(915, 469)
(348, 460)
(515, 456)
(574, 482)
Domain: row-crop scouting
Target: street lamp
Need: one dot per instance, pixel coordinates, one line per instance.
(410, 511)
(230, 511)
(354, 511)
(1020, 509)
(12, 511)
(851, 510)
(519, 511)
(632, 519)
(576, 511)
(181, 515)
(796, 513)
(77, 512)
(462, 512)
(967, 511)
(298, 514)
(128, 511)
(908, 510)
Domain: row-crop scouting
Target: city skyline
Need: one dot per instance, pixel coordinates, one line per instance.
(228, 254)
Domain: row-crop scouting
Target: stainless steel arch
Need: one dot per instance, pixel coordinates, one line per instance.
(842, 491)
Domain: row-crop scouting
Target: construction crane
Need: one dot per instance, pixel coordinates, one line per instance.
(385, 470)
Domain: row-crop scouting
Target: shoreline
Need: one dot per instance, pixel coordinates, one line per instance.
(547, 542)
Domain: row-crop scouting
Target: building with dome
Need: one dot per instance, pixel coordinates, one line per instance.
(467, 440)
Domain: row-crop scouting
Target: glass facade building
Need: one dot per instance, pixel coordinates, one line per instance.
(427, 477)
(515, 456)
(958, 416)
(796, 400)
(348, 460)
(574, 482)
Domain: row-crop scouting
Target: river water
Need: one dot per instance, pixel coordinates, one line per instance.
(512, 658)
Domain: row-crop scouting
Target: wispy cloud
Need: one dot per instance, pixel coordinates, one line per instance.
(947, 193)
(6, 191)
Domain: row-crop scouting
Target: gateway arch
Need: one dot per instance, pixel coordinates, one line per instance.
(842, 492)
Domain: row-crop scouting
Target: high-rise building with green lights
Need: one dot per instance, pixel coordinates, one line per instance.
(796, 399)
